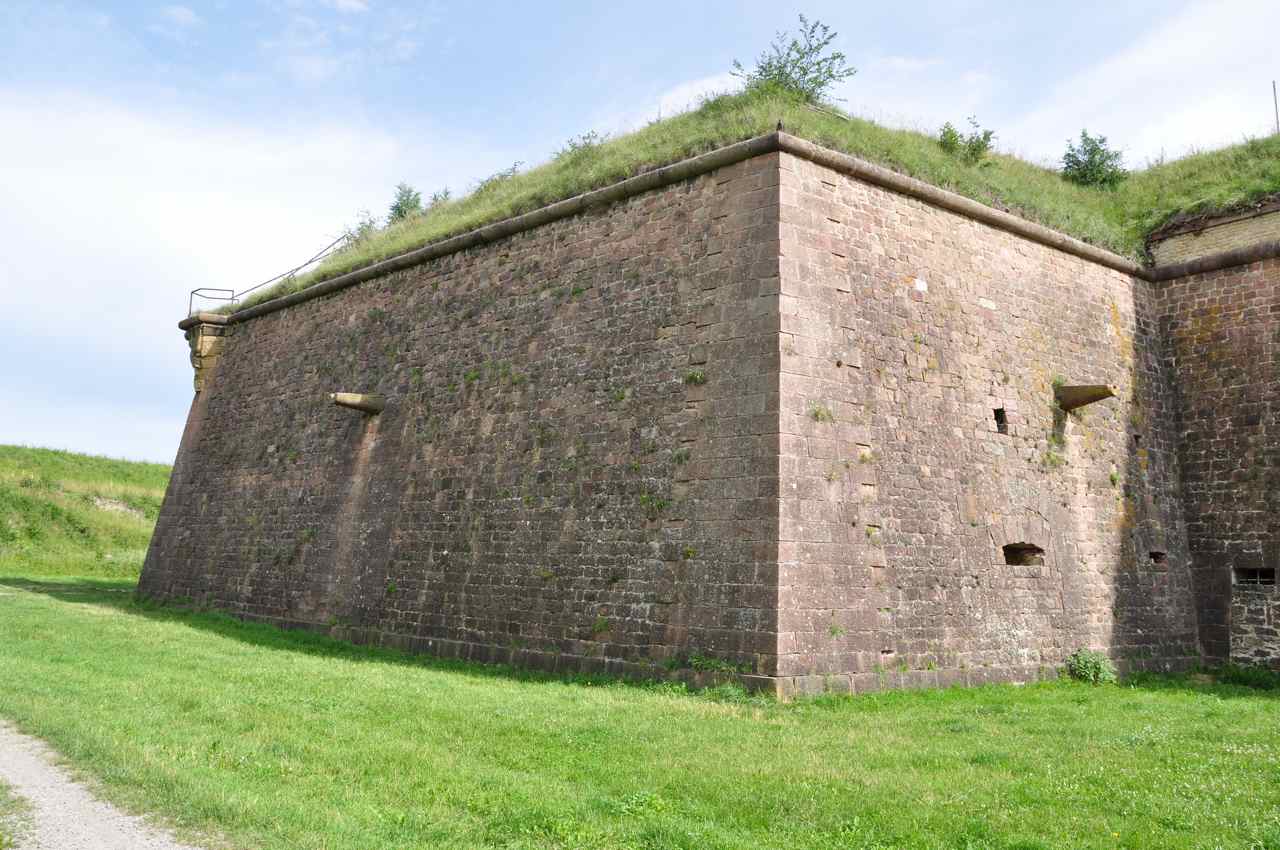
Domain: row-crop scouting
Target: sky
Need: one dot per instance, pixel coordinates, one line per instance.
(148, 148)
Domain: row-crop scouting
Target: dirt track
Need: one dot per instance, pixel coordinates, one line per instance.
(61, 813)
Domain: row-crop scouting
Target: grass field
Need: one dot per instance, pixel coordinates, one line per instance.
(71, 514)
(1118, 220)
(267, 739)
(282, 740)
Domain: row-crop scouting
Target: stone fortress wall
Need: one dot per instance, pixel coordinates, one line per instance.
(771, 411)
(577, 463)
(1223, 343)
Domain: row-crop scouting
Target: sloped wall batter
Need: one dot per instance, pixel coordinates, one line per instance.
(576, 466)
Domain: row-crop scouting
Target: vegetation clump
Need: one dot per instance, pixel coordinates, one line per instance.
(407, 202)
(821, 413)
(803, 64)
(1092, 163)
(970, 148)
(1088, 665)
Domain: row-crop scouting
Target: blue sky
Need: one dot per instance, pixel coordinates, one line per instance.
(149, 148)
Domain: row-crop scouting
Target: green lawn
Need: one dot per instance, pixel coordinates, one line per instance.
(285, 740)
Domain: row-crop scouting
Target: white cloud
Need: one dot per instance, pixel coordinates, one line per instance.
(908, 63)
(310, 68)
(142, 432)
(1198, 79)
(348, 5)
(671, 101)
(917, 92)
(180, 16)
(402, 50)
(176, 22)
(304, 51)
(688, 95)
(109, 215)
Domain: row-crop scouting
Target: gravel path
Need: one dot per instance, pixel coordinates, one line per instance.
(61, 814)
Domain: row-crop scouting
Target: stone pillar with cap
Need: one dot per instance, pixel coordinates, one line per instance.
(205, 333)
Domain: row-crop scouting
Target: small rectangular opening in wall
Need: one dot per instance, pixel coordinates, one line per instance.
(1002, 421)
(1159, 558)
(1023, 554)
(1255, 576)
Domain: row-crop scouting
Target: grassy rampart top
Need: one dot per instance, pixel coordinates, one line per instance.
(1118, 220)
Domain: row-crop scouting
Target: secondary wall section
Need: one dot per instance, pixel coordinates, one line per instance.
(1224, 344)
(919, 353)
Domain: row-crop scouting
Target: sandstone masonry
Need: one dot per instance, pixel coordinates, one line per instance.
(1223, 332)
(775, 412)
(1215, 235)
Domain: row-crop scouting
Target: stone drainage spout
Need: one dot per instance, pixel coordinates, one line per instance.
(366, 402)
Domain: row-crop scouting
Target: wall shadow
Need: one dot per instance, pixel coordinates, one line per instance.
(123, 598)
(1207, 683)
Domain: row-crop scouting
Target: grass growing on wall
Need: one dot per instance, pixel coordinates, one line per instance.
(70, 514)
(1118, 220)
(287, 741)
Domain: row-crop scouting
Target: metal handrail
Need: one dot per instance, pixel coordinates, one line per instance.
(199, 293)
(234, 296)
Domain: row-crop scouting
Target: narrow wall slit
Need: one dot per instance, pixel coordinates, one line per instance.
(1255, 576)
(1023, 554)
(1002, 421)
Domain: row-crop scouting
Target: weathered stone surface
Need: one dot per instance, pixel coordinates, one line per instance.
(911, 326)
(1223, 233)
(773, 415)
(1224, 346)
(205, 340)
(547, 483)
(1255, 626)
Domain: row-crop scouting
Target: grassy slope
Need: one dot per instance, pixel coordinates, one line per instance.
(284, 740)
(69, 514)
(1117, 220)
